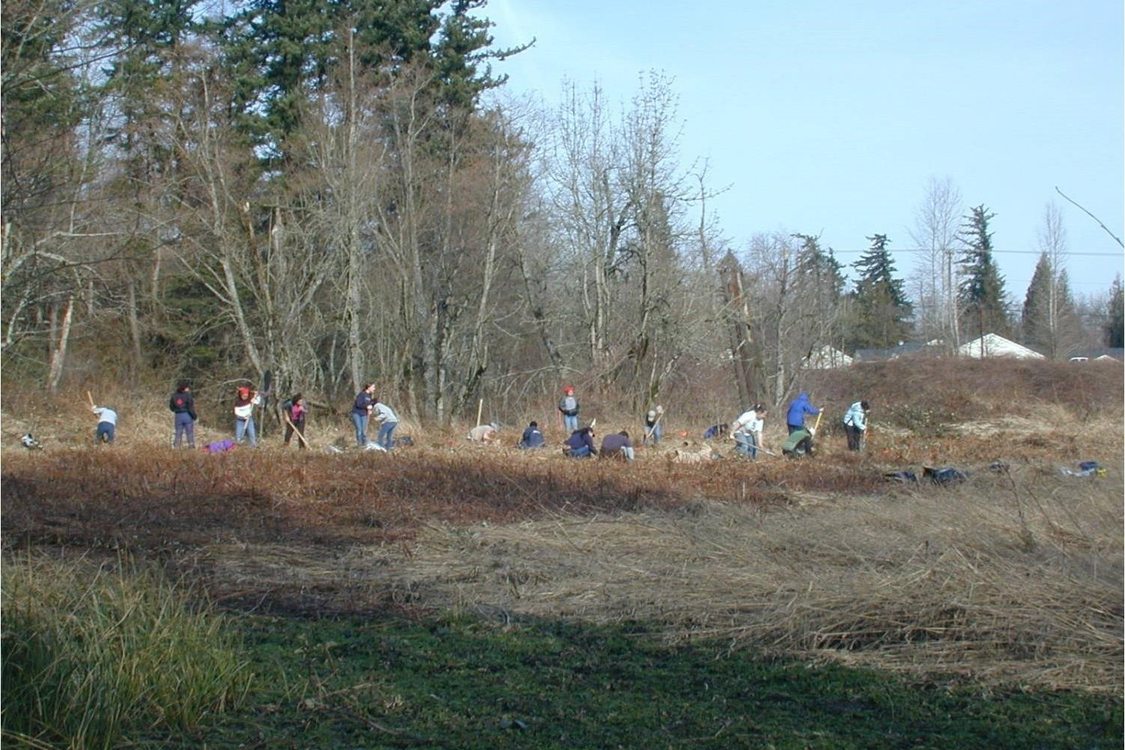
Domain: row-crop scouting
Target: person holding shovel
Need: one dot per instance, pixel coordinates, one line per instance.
(294, 411)
(653, 429)
(798, 409)
(107, 424)
(244, 402)
(747, 431)
(855, 424)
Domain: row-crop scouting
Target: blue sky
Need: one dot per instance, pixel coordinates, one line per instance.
(831, 118)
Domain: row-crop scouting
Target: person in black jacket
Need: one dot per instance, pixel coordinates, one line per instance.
(182, 405)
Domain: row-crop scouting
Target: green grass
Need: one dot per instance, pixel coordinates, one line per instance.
(456, 683)
(94, 657)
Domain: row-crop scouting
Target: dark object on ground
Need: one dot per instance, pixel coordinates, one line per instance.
(800, 443)
(906, 477)
(716, 431)
(219, 446)
(944, 475)
(404, 440)
(1085, 469)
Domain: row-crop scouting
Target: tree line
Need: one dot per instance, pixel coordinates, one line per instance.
(340, 193)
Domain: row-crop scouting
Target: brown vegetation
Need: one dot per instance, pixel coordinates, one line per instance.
(1013, 575)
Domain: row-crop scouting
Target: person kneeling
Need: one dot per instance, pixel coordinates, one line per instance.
(618, 446)
(580, 444)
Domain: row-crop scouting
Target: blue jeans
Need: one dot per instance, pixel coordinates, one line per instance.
(185, 427)
(582, 451)
(657, 433)
(360, 422)
(104, 433)
(745, 444)
(570, 422)
(245, 427)
(385, 431)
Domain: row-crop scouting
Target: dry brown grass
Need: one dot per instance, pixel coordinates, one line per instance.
(1014, 576)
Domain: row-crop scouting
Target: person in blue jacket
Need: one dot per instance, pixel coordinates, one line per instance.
(798, 410)
(532, 437)
(580, 444)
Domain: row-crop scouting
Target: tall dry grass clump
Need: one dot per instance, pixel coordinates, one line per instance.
(93, 658)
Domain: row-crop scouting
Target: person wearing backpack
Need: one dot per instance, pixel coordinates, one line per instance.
(295, 410)
(182, 406)
(568, 407)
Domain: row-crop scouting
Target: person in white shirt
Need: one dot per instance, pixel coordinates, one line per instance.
(747, 431)
(107, 424)
(244, 427)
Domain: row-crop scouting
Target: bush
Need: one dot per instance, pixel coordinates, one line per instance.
(93, 658)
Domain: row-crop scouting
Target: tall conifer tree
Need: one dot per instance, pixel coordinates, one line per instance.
(981, 295)
(880, 311)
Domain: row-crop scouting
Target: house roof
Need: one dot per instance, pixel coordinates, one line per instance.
(993, 345)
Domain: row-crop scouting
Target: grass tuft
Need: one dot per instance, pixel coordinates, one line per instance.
(94, 657)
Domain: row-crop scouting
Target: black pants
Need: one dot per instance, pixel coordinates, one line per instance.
(855, 437)
(299, 425)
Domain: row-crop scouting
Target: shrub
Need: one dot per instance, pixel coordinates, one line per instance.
(95, 657)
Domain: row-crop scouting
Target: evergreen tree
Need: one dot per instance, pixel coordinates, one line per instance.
(819, 291)
(285, 52)
(880, 311)
(1050, 320)
(981, 295)
(1115, 325)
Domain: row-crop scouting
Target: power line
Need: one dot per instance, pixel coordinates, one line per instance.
(995, 252)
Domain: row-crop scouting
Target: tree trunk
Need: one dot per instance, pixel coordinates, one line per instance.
(58, 338)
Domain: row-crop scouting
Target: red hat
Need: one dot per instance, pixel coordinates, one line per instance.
(568, 389)
(243, 390)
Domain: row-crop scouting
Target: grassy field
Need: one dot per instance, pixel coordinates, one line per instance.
(453, 595)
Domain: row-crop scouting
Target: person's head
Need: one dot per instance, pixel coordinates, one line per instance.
(569, 390)
(534, 424)
(623, 434)
(183, 386)
(297, 398)
(244, 391)
(864, 405)
(761, 409)
(369, 388)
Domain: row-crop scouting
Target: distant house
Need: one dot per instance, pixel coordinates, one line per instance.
(827, 358)
(1099, 355)
(992, 345)
(904, 349)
